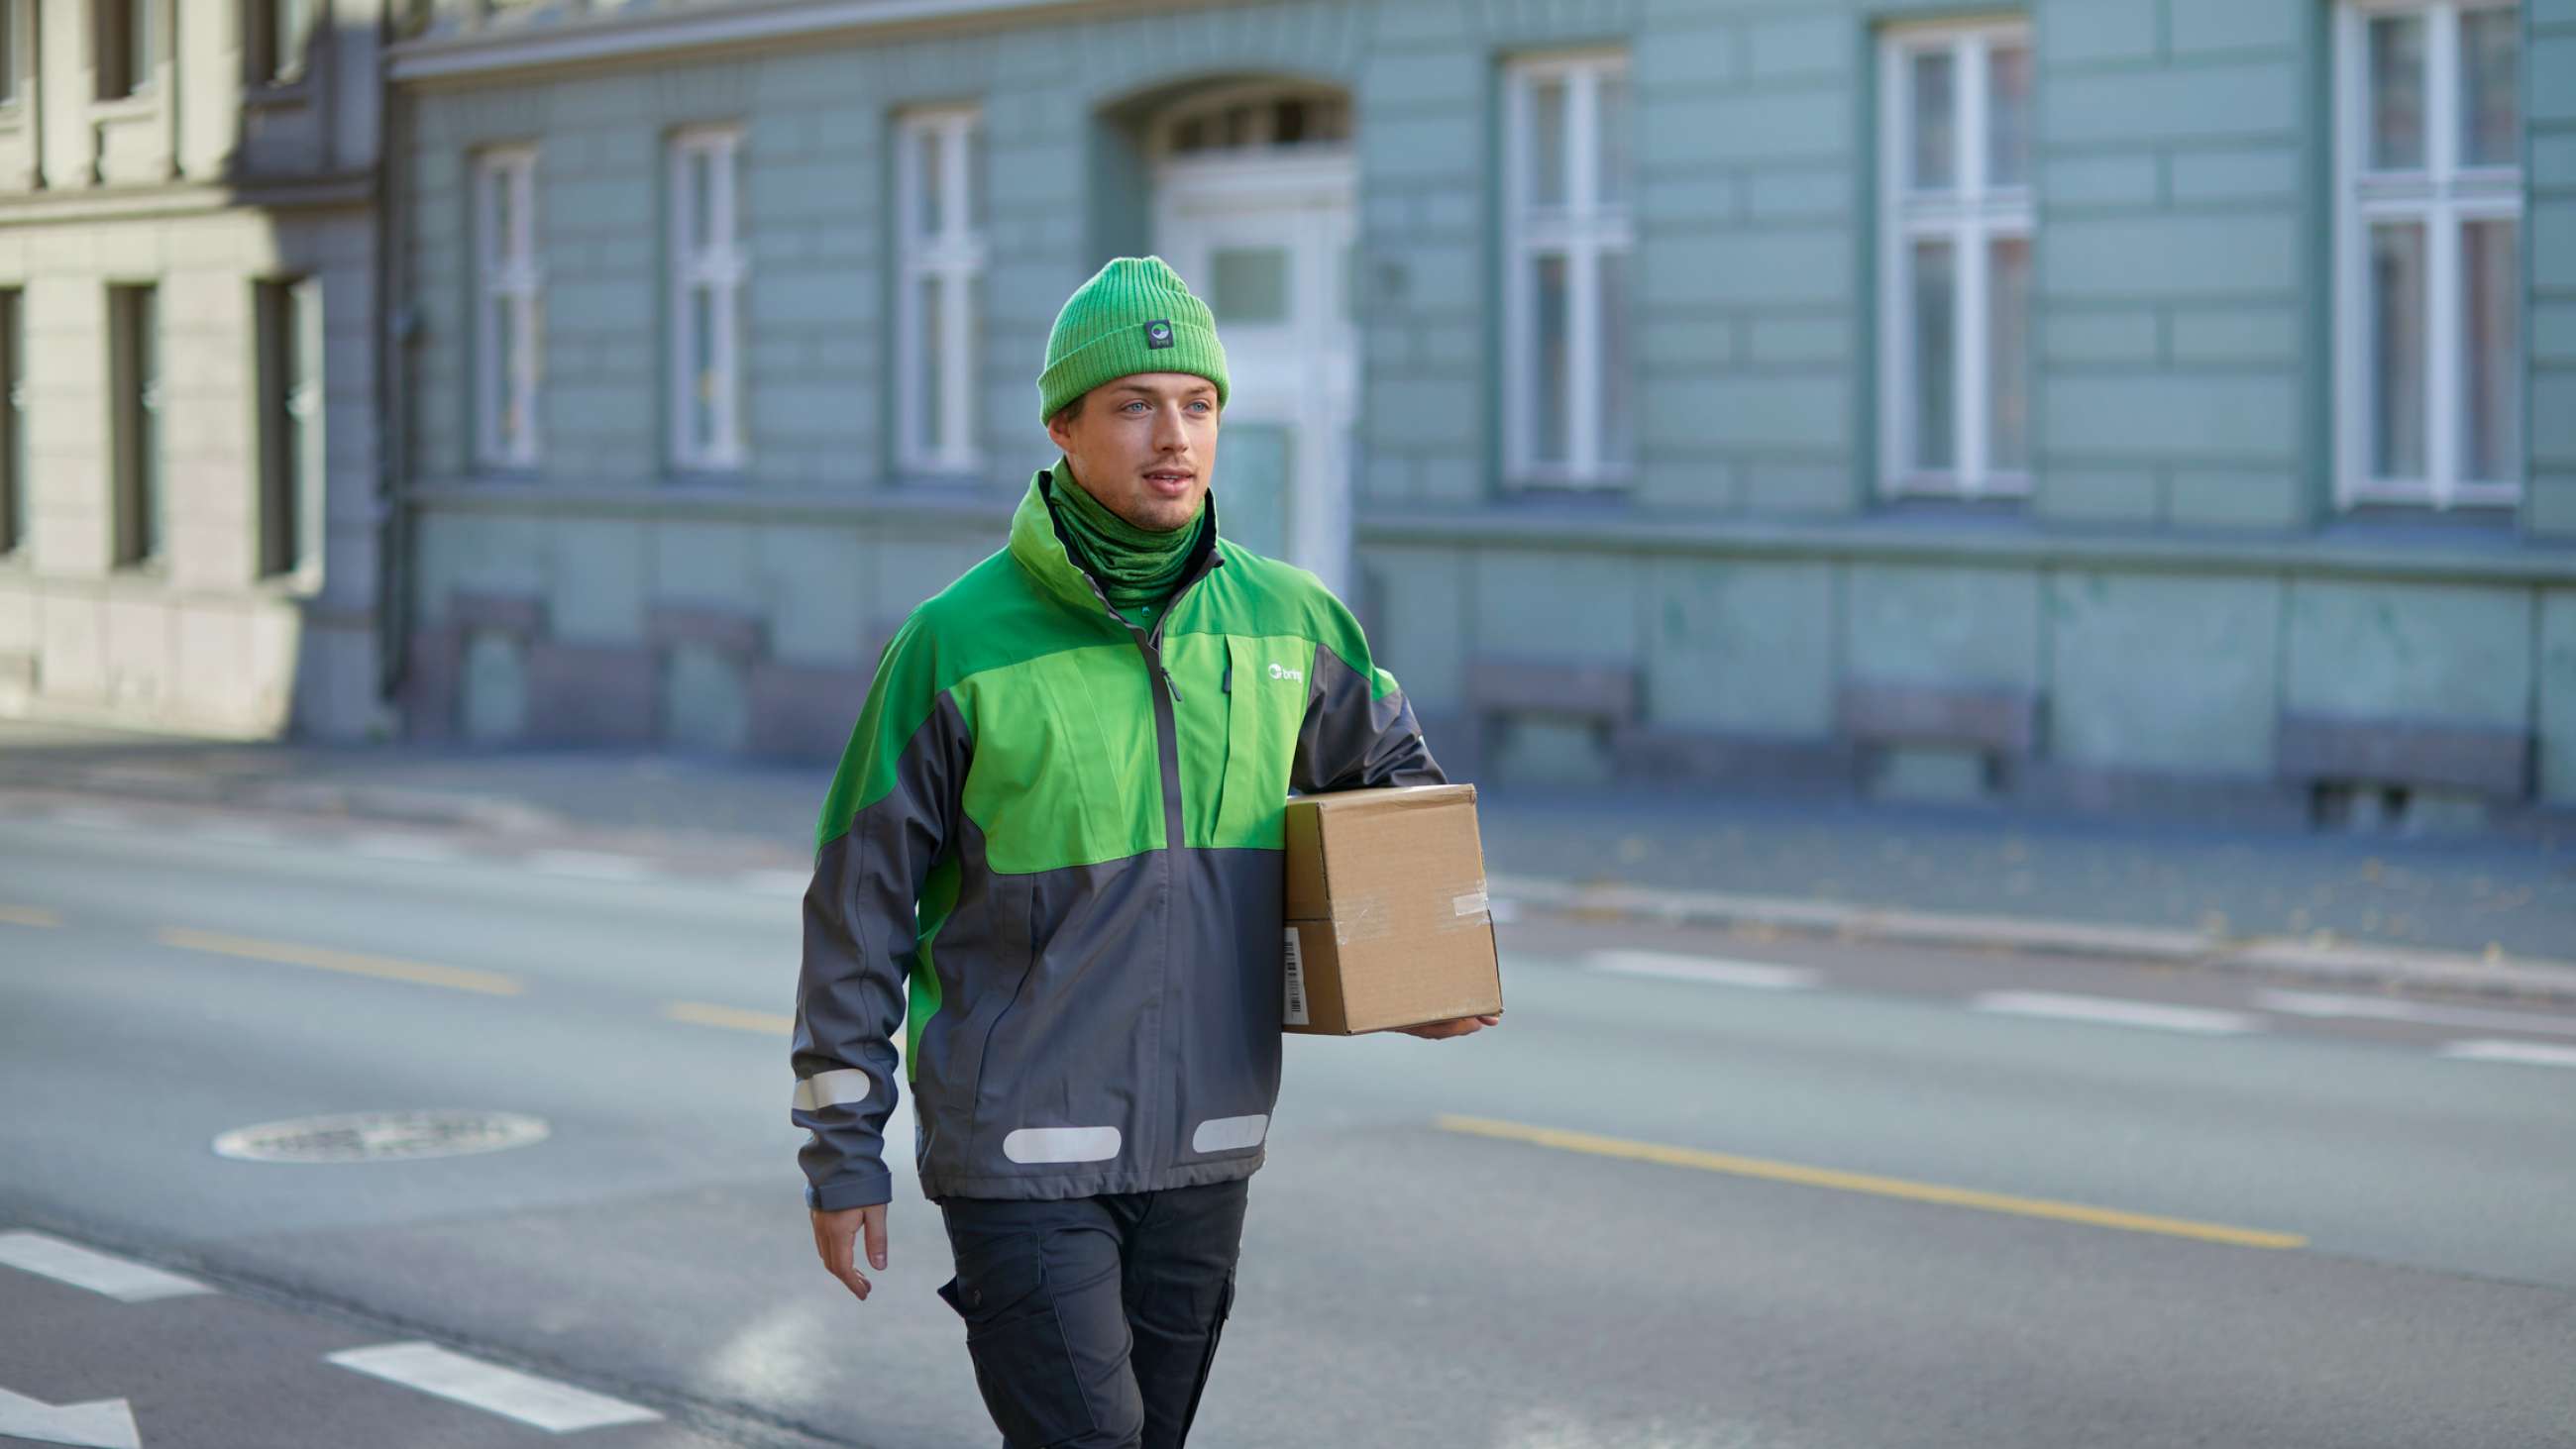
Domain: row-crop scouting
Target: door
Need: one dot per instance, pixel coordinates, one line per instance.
(1267, 241)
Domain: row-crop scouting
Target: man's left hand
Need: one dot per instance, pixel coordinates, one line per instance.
(1439, 1030)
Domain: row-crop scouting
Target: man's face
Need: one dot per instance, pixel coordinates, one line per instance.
(1144, 446)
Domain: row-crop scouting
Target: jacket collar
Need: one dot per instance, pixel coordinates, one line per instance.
(1037, 542)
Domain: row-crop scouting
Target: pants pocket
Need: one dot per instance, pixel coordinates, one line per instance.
(1024, 1367)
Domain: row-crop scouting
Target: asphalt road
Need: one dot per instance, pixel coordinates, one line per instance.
(1697, 1191)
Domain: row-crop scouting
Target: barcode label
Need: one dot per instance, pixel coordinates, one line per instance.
(1296, 1012)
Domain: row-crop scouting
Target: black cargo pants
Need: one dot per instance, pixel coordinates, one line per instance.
(1092, 1321)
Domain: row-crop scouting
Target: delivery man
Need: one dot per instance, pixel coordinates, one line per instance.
(1051, 857)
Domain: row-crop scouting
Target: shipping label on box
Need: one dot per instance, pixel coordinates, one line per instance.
(1388, 924)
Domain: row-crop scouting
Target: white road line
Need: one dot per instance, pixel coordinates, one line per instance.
(385, 846)
(2529, 1053)
(118, 1278)
(1712, 970)
(2384, 1008)
(91, 817)
(774, 882)
(98, 1424)
(589, 865)
(557, 1408)
(2114, 1011)
(257, 837)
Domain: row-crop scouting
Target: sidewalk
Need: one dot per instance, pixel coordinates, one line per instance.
(2455, 913)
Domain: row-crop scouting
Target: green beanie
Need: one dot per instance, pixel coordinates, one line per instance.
(1134, 315)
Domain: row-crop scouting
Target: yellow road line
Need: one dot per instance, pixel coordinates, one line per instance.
(1862, 1182)
(28, 916)
(700, 1013)
(323, 958)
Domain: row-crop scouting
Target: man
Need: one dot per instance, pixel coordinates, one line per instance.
(1057, 831)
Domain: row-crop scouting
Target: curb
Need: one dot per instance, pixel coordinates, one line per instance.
(2306, 958)
(2312, 958)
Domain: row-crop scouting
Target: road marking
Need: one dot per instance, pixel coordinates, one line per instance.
(702, 1013)
(557, 1408)
(91, 817)
(28, 916)
(775, 882)
(98, 1424)
(2114, 1011)
(323, 958)
(2529, 1053)
(258, 837)
(589, 865)
(2382, 1008)
(1715, 971)
(67, 1262)
(1871, 1184)
(424, 849)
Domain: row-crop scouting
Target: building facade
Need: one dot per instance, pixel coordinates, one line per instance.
(2132, 403)
(189, 479)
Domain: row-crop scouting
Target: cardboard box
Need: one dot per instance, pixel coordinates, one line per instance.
(1388, 922)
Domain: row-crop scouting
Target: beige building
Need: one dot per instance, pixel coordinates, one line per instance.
(189, 472)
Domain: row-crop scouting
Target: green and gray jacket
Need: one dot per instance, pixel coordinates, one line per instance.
(1052, 856)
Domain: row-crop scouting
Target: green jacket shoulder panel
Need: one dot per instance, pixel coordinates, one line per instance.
(1259, 595)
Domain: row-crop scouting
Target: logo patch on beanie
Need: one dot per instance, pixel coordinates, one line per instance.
(1158, 334)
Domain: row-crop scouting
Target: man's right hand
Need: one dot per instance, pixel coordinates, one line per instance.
(833, 1234)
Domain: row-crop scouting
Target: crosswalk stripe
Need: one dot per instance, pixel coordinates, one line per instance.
(558, 1408)
(1715, 971)
(2114, 1011)
(67, 1262)
(2383, 1008)
(2529, 1053)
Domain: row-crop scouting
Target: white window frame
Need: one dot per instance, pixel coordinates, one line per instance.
(1583, 231)
(1970, 217)
(954, 257)
(277, 41)
(2441, 197)
(508, 279)
(720, 268)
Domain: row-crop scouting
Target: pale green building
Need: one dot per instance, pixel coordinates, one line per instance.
(2145, 404)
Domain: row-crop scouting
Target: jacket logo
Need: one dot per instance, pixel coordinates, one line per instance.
(1282, 671)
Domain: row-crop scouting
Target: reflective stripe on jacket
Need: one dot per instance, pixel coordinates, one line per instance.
(1051, 855)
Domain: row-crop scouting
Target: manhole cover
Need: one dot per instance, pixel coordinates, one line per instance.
(380, 1136)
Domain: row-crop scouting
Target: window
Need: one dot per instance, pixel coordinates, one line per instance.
(506, 362)
(134, 392)
(2428, 248)
(280, 30)
(125, 37)
(1954, 261)
(290, 422)
(939, 186)
(707, 270)
(13, 421)
(1569, 387)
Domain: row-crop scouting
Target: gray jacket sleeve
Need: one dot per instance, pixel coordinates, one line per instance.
(890, 815)
(1359, 732)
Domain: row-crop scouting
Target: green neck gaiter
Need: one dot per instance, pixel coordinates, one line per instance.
(1135, 566)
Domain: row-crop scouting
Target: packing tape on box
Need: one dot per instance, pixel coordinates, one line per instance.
(1469, 909)
(1366, 918)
